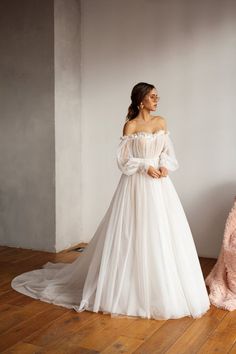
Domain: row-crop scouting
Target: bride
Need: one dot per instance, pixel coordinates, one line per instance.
(142, 260)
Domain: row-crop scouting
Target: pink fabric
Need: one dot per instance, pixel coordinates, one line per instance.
(222, 278)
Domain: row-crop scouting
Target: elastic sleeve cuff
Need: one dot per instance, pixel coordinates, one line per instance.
(144, 167)
(147, 165)
(163, 164)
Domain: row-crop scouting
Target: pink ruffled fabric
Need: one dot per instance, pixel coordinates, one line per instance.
(222, 278)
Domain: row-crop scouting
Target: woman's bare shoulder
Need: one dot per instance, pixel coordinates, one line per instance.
(162, 122)
(129, 127)
(159, 118)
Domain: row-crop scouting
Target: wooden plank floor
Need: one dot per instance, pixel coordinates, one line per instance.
(31, 326)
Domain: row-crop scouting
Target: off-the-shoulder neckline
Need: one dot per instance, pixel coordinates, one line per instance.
(143, 133)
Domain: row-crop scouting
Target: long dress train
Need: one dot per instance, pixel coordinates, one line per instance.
(142, 260)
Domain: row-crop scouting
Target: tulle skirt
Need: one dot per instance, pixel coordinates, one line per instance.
(141, 261)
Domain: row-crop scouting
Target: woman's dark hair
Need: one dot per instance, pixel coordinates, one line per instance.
(138, 92)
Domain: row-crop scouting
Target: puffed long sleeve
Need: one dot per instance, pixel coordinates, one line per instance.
(127, 163)
(167, 157)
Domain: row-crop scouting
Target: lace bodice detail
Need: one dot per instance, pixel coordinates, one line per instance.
(144, 134)
(137, 151)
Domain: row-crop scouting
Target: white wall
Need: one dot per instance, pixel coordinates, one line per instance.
(40, 201)
(67, 122)
(187, 50)
(27, 195)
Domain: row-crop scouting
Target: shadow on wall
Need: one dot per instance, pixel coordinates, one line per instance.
(207, 215)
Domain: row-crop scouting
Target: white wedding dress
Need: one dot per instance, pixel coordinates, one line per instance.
(142, 259)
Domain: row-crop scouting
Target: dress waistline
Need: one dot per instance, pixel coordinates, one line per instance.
(152, 161)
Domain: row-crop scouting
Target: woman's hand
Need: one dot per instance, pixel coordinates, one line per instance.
(153, 172)
(164, 171)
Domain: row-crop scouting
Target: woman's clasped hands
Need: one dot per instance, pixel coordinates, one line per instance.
(157, 173)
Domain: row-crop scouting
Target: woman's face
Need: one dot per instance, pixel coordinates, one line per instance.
(150, 100)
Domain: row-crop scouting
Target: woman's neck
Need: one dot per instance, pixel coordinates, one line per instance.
(145, 116)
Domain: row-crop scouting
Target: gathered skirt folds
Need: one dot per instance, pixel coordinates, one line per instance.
(141, 261)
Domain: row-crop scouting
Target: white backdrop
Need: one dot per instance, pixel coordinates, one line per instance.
(187, 49)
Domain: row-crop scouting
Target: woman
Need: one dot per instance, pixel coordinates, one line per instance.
(142, 259)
